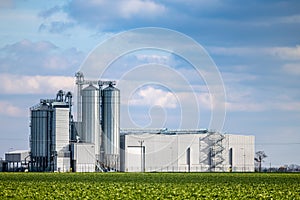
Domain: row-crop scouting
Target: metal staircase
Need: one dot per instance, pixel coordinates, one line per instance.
(211, 151)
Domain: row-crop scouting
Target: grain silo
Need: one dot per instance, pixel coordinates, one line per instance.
(90, 117)
(111, 126)
(41, 137)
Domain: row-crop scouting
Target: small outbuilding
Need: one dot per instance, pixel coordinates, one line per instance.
(17, 160)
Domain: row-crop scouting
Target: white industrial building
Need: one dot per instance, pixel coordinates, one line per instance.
(95, 141)
(185, 151)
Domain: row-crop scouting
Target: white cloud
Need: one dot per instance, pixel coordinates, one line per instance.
(27, 46)
(276, 21)
(289, 19)
(25, 56)
(284, 53)
(18, 84)
(292, 68)
(106, 14)
(55, 62)
(247, 99)
(244, 107)
(230, 77)
(8, 109)
(204, 100)
(154, 58)
(230, 51)
(50, 12)
(55, 20)
(150, 96)
(147, 8)
(289, 106)
(245, 93)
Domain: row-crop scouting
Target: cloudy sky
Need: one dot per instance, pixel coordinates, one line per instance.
(255, 46)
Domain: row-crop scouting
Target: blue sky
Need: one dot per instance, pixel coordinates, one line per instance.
(255, 45)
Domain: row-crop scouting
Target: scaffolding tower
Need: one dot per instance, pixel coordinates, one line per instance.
(211, 149)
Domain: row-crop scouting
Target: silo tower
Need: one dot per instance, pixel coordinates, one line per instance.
(90, 117)
(111, 126)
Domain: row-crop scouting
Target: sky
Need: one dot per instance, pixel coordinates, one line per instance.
(255, 46)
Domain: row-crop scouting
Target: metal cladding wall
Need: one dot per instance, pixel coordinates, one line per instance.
(83, 157)
(61, 130)
(90, 117)
(187, 152)
(41, 139)
(111, 126)
(242, 152)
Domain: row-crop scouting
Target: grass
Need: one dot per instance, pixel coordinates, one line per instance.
(149, 186)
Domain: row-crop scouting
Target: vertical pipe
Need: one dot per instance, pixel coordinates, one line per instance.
(101, 148)
(188, 158)
(144, 159)
(79, 102)
(230, 159)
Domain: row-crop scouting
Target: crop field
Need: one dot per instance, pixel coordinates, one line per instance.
(149, 186)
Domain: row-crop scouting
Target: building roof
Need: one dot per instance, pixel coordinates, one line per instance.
(164, 131)
(17, 151)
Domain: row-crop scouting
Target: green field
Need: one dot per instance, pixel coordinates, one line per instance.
(149, 186)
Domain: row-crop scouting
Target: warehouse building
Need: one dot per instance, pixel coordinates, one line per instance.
(163, 150)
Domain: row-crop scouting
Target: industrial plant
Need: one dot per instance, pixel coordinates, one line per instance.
(96, 143)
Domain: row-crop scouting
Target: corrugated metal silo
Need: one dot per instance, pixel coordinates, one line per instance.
(41, 138)
(90, 117)
(111, 126)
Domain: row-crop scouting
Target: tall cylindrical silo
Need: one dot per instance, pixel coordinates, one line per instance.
(41, 139)
(111, 126)
(90, 117)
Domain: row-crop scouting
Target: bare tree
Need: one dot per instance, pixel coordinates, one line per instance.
(259, 157)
